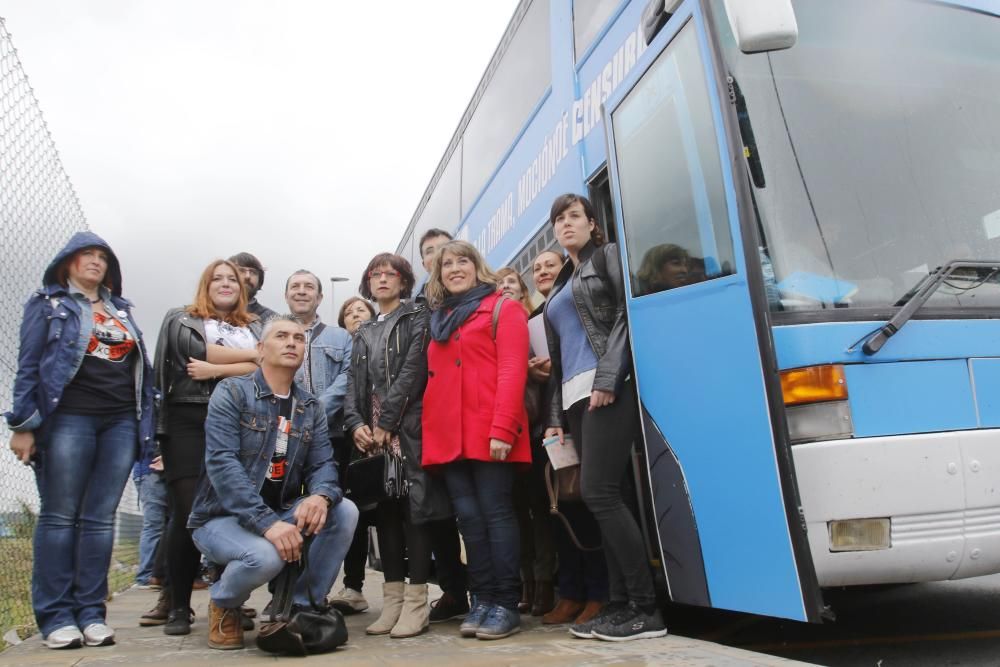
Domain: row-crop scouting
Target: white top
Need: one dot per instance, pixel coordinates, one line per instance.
(226, 335)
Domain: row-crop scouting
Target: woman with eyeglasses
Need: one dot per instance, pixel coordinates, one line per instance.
(382, 412)
(83, 414)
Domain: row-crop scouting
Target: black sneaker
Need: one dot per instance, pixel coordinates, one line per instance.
(608, 612)
(632, 623)
(448, 607)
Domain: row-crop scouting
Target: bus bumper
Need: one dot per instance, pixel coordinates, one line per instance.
(940, 491)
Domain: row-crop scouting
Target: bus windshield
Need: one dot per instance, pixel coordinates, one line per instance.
(874, 152)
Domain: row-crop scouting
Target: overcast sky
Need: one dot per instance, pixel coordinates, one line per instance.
(303, 131)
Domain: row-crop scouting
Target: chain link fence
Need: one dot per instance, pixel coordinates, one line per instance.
(39, 211)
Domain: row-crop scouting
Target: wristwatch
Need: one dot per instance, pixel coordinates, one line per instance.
(328, 499)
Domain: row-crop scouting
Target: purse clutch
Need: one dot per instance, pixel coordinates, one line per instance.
(376, 478)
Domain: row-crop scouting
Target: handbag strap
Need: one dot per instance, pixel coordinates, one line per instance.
(553, 491)
(496, 313)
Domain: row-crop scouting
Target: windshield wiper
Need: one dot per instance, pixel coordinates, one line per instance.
(919, 295)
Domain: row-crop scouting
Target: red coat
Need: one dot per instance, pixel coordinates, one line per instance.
(475, 388)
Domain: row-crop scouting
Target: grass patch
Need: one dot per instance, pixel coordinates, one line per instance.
(15, 582)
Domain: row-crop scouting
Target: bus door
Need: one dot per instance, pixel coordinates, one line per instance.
(722, 484)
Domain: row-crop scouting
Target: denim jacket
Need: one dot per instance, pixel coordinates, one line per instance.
(329, 361)
(55, 332)
(240, 435)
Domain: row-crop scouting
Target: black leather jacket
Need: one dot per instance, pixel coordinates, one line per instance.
(599, 297)
(182, 337)
(405, 359)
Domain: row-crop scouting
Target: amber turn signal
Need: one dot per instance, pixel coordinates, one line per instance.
(813, 384)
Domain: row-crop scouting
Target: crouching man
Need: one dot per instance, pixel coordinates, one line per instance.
(269, 479)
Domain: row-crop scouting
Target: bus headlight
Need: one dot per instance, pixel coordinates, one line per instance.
(859, 534)
(816, 403)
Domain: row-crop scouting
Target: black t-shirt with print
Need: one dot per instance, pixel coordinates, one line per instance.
(104, 383)
(276, 471)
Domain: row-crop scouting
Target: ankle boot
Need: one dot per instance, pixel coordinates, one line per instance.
(565, 612)
(527, 596)
(415, 616)
(392, 607)
(544, 599)
(158, 614)
(225, 630)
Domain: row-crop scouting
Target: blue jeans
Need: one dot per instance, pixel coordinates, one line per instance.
(251, 561)
(482, 493)
(82, 466)
(153, 502)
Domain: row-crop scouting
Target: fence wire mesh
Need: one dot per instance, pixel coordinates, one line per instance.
(39, 210)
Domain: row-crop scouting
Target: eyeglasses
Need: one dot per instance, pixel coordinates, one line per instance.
(376, 275)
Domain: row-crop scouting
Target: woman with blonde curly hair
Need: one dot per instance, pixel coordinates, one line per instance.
(475, 425)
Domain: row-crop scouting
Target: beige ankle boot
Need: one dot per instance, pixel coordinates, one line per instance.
(415, 617)
(392, 606)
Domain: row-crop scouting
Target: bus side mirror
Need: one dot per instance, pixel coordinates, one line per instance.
(762, 25)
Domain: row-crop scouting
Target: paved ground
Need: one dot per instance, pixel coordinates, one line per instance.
(536, 645)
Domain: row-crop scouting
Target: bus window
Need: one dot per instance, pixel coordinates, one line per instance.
(673, 198)
(600, 197)
(589, 17)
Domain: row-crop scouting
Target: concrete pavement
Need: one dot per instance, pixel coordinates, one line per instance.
(535, 645)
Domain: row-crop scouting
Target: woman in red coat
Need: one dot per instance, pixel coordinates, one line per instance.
(475, 426)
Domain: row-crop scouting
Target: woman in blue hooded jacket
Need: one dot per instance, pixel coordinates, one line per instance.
(82, 415)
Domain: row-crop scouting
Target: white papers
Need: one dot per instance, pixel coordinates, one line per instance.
(536, 337)
(561, 455)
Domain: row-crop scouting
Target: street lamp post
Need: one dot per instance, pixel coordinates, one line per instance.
(333, 293)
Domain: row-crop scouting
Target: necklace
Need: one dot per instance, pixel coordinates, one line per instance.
(97, 300)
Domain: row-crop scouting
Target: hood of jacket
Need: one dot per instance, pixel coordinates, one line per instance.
(77, 242)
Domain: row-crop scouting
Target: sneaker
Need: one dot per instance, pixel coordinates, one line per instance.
(349, 601)
(632, 623)
(500, 622)
(608, 612)
(473, 619)
(68, 636)
(98, 634)
(448, 607)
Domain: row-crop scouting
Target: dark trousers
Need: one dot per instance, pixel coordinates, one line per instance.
(357, 554)
(482, 493)
(447, 549)
(531, 503)
(583, 575)
(402, 543)
(604, 438)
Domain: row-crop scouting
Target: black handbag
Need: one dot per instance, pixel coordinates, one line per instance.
(319, 629)
(376, 478)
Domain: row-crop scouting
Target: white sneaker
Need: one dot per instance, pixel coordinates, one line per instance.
(349, 601)
(67, 636)
(98, 634)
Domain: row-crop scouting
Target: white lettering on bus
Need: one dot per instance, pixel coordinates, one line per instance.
(572, 128)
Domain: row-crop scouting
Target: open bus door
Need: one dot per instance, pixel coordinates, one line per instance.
(723, 488)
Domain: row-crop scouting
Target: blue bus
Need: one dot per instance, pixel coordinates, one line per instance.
(806, 198)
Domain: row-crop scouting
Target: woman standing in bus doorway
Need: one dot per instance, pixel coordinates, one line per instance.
(199, 345)
(82, 413)
(382, 410)
(354, 312)
(476, 427)
(538, 553)
(592, 394)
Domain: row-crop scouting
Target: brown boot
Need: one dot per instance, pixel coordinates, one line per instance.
(589, 611)
(527, 595)
(544, 599)
(158, 614)
(565, 612)
(225, 631)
